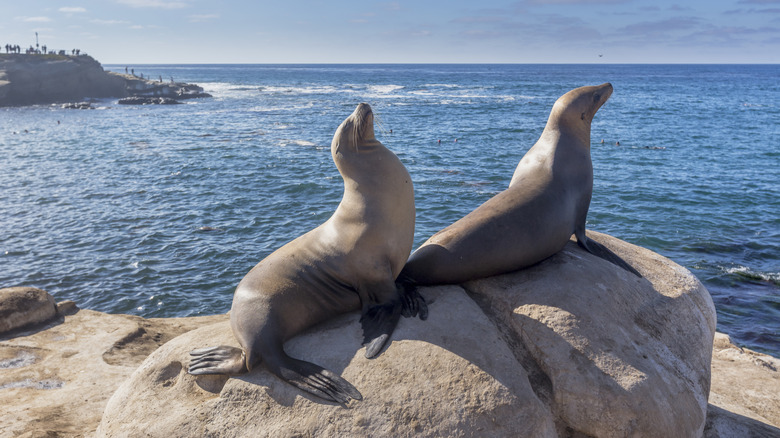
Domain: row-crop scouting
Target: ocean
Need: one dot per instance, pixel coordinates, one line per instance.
(159, 211)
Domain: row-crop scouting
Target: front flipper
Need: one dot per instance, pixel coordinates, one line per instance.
(602, 251)
(315, 379)
(217, 360)
(378, 324)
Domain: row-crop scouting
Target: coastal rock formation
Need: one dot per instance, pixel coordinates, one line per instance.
(36, 79)
(31, 79)
(56, 378)
(745, 394)
(24, 306)
(467, 361)
(571, 346)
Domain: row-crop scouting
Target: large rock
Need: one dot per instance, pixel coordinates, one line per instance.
(25, 306)
(55, 379)
(745, 393)
(39, 79)
(31, 79)
(573, 346)
(623, 356)
(449, 376)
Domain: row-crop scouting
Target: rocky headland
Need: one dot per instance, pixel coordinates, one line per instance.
(42, 79)
(571, 347)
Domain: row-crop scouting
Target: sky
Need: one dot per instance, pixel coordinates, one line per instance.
(404, 31)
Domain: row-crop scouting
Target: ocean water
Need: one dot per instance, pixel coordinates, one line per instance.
(159, 211)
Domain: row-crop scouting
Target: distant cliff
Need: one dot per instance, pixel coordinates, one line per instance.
(41, 79)
(31, 79)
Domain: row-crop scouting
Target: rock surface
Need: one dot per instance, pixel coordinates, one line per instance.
(31, 79)
(435, 378)
(423, 385)
(55, 379)
(573, 346)
(35, 79)
(745, 394)
(24, 306)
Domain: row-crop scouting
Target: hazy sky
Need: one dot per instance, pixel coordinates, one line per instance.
(404, 31)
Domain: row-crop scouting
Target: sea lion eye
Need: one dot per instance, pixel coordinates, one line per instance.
(596, 97)
(582, 116)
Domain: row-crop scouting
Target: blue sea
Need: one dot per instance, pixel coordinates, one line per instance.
(159, 211)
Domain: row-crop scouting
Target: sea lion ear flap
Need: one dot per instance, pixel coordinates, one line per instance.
(582, 116)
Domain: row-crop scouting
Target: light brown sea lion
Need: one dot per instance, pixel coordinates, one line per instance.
(348, 262)
(546, 202)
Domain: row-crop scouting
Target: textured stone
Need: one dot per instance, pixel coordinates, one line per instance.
(624, 356)
(24, 306)
(449, 376)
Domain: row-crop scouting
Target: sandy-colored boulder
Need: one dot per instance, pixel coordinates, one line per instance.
(745, 393)
(449, 376)
(573, 346)
(55, 379)
(620, 355)
(25, 306)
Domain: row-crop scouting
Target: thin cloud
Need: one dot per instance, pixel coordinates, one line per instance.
(202, 18)
(72, 10)
(107, 22)
(34, 19)
(479, 19)
(759, 2)
(660, 27)
(159, 4)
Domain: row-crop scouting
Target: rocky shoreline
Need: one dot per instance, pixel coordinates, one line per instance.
(570, 347)
(43, 79)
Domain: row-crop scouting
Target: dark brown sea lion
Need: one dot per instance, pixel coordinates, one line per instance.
(546, 202)
(349, 262)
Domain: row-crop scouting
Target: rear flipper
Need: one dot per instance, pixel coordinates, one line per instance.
(315, 379)
(602, 251)
(217, 360)
(378, 324)
(412, 303)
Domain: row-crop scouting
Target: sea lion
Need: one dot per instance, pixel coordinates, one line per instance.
(348, 262)
(546, 202)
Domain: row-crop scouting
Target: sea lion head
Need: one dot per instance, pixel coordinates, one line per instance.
(355, 132)
(575, 109)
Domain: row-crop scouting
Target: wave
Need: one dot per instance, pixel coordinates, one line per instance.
(384, 89)
(291, 142)
(749, 274)
(311, 89)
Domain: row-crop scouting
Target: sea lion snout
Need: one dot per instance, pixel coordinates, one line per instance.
(357, 129)
(604, 91)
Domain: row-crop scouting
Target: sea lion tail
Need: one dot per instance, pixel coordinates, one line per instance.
(314, 379)
(605, 253)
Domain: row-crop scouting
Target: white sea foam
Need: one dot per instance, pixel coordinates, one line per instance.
(744, 271)
(311, 89)
(292, 142)
(384, 89)
(441, 85)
